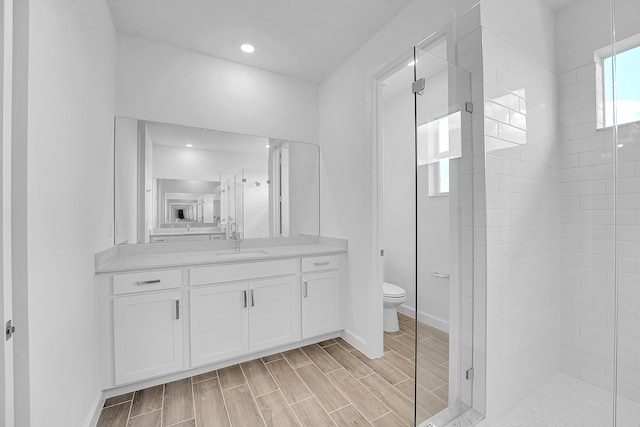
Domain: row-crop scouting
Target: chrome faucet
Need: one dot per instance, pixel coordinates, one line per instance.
(235, 235)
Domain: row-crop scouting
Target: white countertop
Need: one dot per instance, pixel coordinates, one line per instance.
(131, 262)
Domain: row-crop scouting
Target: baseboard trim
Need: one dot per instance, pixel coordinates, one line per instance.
(96, 408)
(355, 341)
(423, 317)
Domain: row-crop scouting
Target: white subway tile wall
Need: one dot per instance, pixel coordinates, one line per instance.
(522, 221)
(589, 213)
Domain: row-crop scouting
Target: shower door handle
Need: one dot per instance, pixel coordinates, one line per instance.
(440, 275)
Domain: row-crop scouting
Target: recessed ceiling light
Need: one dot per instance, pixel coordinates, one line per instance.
(189, 145)
(248, 48)
(266, 146)
(411, 64)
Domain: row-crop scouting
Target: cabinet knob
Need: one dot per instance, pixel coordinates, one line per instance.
(305, 289)
(177, 309)
(253, 302)
(245, 299)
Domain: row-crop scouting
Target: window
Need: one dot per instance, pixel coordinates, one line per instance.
(438, 142)
(625, 82)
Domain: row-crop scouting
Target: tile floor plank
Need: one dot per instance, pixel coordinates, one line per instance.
(321, 358)
(188, 423)
(428, 380)
(400, 362)
(311, 413)
(204, 377)
(429, 401)
(116, 400)
(150, 419)
(389, 420)
(147, 400)
(345, 344)
(288, 381)
(442, 392)
(178, 402)
(349, 416)
(326, 342)
(242, 407)
(296, 358)
(114, 416)
(360, 397)
(408, 388)
(326, 393)
(398, 347)
(276, 411)
(390, 396)
(384, 369)
(354, 366)
(231, 376)
(258, 377)
(209, 404)
(272, 357)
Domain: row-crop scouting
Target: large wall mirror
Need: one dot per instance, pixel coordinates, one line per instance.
(177, 183)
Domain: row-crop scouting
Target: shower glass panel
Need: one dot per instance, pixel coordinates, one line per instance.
(444, 224)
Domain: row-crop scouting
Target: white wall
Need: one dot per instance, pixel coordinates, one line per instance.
(347, 180)
(161, 83)
(399, 209)
(71, 75)
(205, 165)
(126, 204)
(399, 197)
(304, 189)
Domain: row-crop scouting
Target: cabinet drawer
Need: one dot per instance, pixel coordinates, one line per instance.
(329, 262)
(242, 271)
(146, 281)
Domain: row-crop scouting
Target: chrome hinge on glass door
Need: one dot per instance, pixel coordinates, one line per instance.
(470, 373)
(9, 330)
(418, 86)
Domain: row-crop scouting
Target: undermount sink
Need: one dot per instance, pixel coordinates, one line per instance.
(238, 254)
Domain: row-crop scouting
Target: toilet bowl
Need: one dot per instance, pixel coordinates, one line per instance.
(394, 295)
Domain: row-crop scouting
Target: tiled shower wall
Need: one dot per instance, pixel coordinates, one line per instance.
(588, 261)
(522, 206)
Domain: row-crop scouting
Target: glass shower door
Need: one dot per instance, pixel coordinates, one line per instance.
(444, 224)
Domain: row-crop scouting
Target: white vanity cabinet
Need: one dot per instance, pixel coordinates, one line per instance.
(320, 296)
(274, 312)
(231, 319)
(148, 338)
(219, 322)
(158, 322)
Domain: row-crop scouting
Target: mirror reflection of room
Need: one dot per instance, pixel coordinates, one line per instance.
(178, 183)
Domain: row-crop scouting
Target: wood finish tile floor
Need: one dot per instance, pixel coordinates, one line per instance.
(325, 384)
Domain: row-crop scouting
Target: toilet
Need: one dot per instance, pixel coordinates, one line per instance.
(394, 295)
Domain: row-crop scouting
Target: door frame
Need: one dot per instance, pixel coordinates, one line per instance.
(6, 311)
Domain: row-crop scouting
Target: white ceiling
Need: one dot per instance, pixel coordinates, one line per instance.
(556, 5)
(305, 39)
(204, 139)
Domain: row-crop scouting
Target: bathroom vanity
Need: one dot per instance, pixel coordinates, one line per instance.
(174, 310)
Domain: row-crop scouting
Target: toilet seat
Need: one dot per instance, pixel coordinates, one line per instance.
(390, 290)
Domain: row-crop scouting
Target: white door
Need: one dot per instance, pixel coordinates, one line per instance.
(6, 352)
(147, 335)
(274, 312)
(320, 304)
(219, 323)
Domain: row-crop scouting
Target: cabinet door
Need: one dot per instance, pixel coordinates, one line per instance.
(320, 304)
(219, 328)
(274, 312)
(147, 335)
